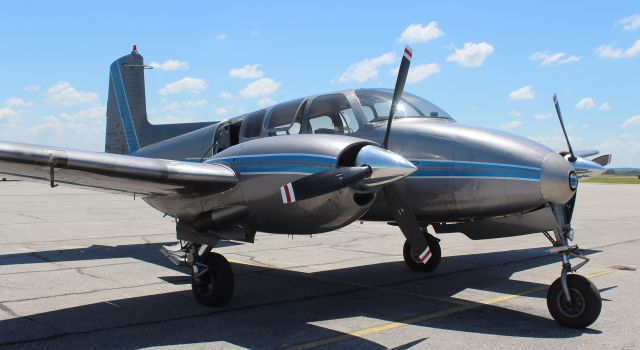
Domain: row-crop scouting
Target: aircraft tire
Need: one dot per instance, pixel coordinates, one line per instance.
(215, 286)
(414, 264)
(585, 306)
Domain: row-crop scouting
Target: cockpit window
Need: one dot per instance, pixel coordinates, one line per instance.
(332, 114)
(252, 124)
(376, 105)
(282, 117)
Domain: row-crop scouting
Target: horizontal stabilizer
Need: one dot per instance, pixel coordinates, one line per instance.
(113, 172)
(603, 160)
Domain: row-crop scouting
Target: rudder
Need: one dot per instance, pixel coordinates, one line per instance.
(128, 127)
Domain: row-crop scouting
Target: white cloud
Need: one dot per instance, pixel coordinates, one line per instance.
(541, 116)
(472, 54)
(173, 119)
(625, 149)
(419, 72)
(188, 84)
(547, 58)
(422, 72)
(585, 103)
(226, 95)
(584, 126)
(246, 72)
(31, 88)
(228, 110)
(634, 120)
(170, 65)
(604, 107)
(16, 102)
(631, 23)
(512, 124)
(255, 33)
(89, 121)
(221, 111)
(91, 113)
(63, 94)
(261, 88)
(556, 140)
(611, 52)
(523, 93)
(366, 69)
(184, 106)
(221, 36)
(9, 114)
(515, 113)
(417, 33)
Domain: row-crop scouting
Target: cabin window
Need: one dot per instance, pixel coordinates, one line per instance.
(252, 124)
(332, 114)
(282, 118)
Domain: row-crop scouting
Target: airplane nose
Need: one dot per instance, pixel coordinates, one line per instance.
(386, 166)
(558, 180)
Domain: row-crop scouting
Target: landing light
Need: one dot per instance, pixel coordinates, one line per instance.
(573, 180)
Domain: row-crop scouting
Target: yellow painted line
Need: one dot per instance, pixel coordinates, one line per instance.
(430, 316)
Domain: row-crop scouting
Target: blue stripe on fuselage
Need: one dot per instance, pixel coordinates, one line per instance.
(311, 163)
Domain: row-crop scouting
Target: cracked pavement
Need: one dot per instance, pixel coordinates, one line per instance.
(81, 269)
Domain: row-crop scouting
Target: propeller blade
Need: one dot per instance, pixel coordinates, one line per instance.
(586, 153)
(572, 158)
(322, 183)
(406, 219)
(402, 213)
(397, 92)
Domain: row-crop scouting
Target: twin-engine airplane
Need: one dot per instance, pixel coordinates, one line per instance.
(318, 163)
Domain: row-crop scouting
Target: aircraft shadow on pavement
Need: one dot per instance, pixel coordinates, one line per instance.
(275, 308)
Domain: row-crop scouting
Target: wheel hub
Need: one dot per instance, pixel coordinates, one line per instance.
(574, 308)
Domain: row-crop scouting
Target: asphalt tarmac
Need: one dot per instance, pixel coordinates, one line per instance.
(82, 270)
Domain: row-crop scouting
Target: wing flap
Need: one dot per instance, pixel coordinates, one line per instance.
(113, 172)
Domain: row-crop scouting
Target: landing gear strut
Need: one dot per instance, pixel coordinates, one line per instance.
(573, 300)
(414, 263)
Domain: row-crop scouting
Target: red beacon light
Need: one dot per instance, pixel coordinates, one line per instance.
(135, 47)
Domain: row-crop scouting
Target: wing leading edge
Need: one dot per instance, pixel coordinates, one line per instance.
(113, 172)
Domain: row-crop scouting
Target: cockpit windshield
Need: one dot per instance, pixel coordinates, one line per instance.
(376, 104)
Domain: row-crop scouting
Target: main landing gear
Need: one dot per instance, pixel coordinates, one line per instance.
(211, 273)
(414, 262)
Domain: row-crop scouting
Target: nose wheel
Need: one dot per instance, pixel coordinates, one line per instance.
(212, 279)
(583, 306)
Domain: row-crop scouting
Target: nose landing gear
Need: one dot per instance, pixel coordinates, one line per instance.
(572, 300)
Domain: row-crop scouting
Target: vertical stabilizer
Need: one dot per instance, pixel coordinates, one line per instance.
(128, 128)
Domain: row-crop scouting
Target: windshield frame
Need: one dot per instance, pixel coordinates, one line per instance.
(416, 103)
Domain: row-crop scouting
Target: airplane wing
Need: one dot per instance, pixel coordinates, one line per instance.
(113, 172)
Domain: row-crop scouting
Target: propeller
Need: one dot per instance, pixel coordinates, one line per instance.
(323, 182)
(383, 168)
(572, 157)
(402, 213)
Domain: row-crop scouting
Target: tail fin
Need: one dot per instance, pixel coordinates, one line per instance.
(128, 128)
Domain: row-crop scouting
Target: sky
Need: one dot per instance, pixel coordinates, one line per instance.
(493, 64)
